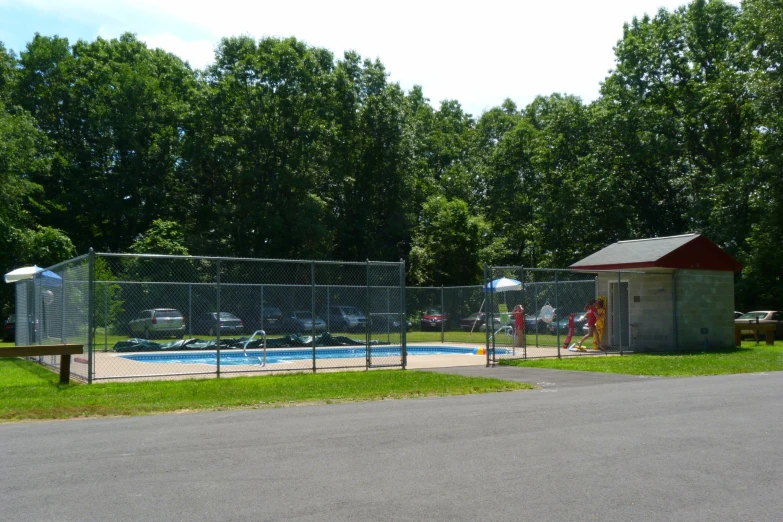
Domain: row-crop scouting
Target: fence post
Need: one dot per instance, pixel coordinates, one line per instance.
(524, 303)
(388, 315)
(620, 310)
(403, 317)
(105, 317)
(312, 309)
(90, 311)
(442, 316)
(490, 322)
(190, 309)
(217, 304)
(556, 318)
(62, 305)
(535, 307)
(368, 323)
(261, 312)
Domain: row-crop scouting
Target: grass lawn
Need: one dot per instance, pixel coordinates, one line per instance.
(747, 359)
(29, 391)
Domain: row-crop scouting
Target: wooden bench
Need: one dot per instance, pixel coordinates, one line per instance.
(758, 328)
(63, 350)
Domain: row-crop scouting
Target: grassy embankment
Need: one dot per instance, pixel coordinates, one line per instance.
(29, 391)
(749, 358)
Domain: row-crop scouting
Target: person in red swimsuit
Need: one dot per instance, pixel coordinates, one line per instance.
(519, 323)
(591, 314)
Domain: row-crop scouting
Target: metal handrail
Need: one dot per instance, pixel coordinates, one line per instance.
(244, 348)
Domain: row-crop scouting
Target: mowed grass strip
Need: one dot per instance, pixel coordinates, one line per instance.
(29, 391)
(749, 358)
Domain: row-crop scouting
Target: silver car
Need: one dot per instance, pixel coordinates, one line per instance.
(159, 322)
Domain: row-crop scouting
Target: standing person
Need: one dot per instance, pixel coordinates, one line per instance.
(591, 318)
(519, 323)
(600, 317)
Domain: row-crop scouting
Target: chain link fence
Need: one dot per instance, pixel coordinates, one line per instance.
(452, 314)
(52, 308)
(147, 316)
(552, 304)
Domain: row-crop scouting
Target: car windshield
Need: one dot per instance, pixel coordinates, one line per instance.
(227, 315)
(302, 315)
(350, 310)
(432, 311)
(271, 311)
(753, 316)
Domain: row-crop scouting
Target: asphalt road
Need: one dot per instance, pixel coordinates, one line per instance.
(579, 448)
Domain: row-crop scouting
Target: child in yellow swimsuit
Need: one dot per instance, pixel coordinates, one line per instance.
(600, 316)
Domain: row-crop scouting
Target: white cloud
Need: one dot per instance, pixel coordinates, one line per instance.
(199, 53)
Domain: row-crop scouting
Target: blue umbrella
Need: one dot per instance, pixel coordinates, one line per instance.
(49, 278)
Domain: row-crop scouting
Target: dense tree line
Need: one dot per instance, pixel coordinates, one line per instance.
(280, 150)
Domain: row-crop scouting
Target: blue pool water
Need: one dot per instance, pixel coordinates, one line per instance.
(235, 358)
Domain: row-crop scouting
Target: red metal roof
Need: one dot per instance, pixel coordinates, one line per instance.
(688, 251)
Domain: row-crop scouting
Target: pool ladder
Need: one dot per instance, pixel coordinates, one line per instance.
(244, 348)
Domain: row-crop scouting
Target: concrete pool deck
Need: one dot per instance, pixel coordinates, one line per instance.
(112, 366)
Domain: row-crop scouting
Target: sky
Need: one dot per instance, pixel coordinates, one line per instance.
(478, 53)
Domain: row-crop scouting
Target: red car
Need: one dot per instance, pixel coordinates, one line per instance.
(432, 319)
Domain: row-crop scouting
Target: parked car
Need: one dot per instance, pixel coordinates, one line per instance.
(389, 323)
(737, 315)
(432, 319)
(535, 323)
(158, 322)
(301, 321)
(763, 317)
(346, 318)
(208, 323)
(270, 319)
(561, 325)
(477, 322)
(9, 329)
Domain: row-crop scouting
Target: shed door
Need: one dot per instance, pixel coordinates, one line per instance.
(618, 310)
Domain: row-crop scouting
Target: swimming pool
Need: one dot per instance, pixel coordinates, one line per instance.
(273, 356)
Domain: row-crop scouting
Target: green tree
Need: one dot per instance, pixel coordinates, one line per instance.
(450, 245)
(761, 285)
(113, 110)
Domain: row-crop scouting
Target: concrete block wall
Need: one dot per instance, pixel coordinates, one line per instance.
(652, 312)
(705, 300)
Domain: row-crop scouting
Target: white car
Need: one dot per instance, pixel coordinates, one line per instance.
(158, 322)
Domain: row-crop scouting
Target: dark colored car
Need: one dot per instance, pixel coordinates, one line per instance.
(345, 318)
(763, 317)
(207, 323)
(301, 321)
(561, 325)
(389, 323)
(270, 319)
(9, 329)
(535, 324)
(477, 322)
(432, 319)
